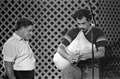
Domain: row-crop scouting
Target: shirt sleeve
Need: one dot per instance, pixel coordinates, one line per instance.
(101, 39)
(69, 37)
(9, 52)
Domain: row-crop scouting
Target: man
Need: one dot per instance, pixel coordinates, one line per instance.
(19, 61)
(84, 32)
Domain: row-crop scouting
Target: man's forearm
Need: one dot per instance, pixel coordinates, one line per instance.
(10, 75)
(9, 70)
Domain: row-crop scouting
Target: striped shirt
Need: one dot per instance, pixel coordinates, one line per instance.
(98, 39)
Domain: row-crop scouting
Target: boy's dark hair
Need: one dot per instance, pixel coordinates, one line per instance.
(79, 14)
(23, 22)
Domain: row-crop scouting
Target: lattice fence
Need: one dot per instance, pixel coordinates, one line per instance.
(51, 17)
(109, 21)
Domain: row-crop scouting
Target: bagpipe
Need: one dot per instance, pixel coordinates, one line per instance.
(79, 46)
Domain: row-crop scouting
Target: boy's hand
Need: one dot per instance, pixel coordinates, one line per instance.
(73, 58)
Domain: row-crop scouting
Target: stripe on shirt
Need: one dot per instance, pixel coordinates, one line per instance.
(68, 38)
(102, 38)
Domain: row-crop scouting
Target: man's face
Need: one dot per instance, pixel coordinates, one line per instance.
(27, 32)
(83, 23)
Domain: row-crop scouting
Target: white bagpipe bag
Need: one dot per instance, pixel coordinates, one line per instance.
(80, 45)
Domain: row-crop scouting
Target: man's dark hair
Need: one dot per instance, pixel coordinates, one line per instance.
(23, 22)
(79, 14)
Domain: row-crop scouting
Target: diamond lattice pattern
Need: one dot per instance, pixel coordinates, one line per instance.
(51, 17)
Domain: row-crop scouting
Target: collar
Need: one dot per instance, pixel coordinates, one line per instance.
(17, 36)
(88, 30)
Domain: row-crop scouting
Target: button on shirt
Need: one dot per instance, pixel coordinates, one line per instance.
(18, 51)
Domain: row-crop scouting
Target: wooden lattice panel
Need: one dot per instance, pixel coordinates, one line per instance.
(109, 21)
(51, 17)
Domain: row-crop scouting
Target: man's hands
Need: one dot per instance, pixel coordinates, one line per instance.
(86, 56)
(73, 58)
(76, 58)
